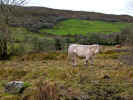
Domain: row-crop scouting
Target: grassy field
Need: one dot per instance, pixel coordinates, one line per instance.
(75, 26)
(108, 79)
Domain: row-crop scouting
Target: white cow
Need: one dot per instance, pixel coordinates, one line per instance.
(86, 51)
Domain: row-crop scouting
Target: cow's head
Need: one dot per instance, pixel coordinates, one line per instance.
(95, 48)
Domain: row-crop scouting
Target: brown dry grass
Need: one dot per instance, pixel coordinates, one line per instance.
(58, 75)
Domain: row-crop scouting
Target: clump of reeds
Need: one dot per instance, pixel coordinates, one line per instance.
(46, 91)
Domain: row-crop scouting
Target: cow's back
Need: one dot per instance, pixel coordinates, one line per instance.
(83, 50)
(79, 50)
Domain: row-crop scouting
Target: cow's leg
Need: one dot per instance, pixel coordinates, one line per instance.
(74, 61)
(86, 60)
(91, 61)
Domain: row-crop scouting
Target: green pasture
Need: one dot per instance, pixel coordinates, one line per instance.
(76, 26)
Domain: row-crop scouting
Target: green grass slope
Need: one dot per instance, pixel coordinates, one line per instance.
(76, 26)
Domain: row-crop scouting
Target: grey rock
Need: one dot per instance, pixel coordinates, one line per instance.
(14, 87)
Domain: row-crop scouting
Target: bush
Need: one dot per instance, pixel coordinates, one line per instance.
(44, 44)
(127, 35)
(98, 38)
(31, 44)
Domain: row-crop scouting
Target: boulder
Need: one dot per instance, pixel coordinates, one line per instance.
(14, 87)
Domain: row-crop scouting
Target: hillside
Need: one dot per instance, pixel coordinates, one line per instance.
(35, 18)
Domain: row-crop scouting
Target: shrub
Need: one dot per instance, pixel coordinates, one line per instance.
(58, 44)
(127, 35)
(98, 38)
(43, 44)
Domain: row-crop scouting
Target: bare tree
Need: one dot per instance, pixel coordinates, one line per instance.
(7, 10)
